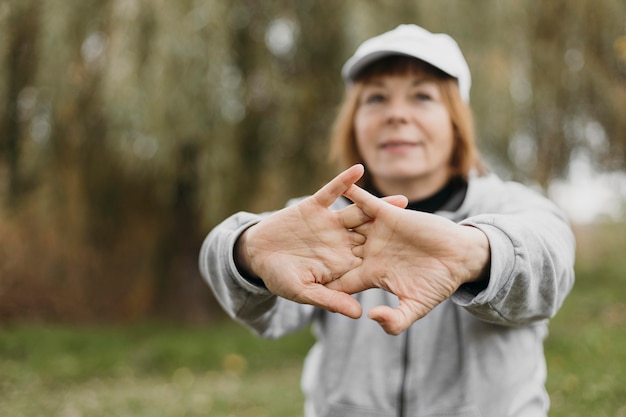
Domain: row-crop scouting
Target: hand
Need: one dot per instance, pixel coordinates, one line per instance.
(297, 250)
(421, 258)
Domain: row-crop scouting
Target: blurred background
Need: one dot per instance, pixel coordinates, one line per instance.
(129, 128)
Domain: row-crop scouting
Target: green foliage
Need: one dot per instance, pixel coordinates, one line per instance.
(129, 128)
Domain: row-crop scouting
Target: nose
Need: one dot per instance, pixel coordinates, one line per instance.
(397, 111)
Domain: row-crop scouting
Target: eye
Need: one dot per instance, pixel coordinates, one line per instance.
(374, 98)
(422, 96)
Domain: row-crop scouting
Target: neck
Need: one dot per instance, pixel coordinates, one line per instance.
(412, 189)
(449, 197)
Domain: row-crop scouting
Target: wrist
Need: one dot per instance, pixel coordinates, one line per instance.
(242, 257)
(478, 256)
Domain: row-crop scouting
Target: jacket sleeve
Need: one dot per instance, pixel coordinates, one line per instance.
(266, 314)
(532, 257)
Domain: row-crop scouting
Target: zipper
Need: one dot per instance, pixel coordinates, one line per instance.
(405, 367)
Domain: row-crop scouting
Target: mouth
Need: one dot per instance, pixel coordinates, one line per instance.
(398, 145)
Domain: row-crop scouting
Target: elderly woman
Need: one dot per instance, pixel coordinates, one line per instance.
(457, 270)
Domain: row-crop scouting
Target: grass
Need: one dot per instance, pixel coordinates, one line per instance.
(586, 349)
(148, 370)
(223, 370)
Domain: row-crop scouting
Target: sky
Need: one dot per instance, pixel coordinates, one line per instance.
(587, 195)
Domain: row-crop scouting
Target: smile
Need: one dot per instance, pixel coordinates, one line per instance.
(398, 146)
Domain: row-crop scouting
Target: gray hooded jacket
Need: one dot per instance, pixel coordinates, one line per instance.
(476, 354)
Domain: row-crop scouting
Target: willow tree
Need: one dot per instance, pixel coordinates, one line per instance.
(128, 128)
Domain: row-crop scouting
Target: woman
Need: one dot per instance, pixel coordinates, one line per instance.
(460, 269)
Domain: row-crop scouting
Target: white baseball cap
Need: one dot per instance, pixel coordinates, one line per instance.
(437, 49)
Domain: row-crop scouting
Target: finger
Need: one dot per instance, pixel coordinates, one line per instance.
(326, 195)
(358, 251)
(351, 282)
(357, 239)
(334, 301)
(397, 200)
(352, 216)
(364, 229)
(370, 204)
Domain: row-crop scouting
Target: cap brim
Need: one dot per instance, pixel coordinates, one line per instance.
(352, 69)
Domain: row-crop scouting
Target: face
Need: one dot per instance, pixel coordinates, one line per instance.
(404, 134)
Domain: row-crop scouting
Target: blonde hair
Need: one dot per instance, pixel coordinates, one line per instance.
(465, 156)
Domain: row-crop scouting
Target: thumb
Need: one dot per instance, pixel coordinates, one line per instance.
(393, 320)
(351, 282)
(334, 301)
